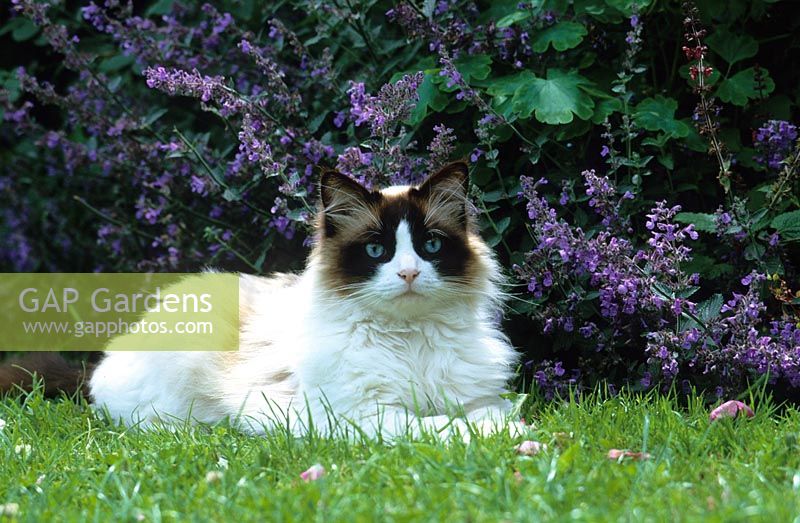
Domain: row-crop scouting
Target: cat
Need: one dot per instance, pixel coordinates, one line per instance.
(391, 329)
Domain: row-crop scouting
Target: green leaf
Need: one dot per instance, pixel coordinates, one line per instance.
(626, 7)
(428, 7)
(115, 63)
(12, 25)
(161, 7)
(741, 87)
(232, 194)
(754, 251)
(787, 225)
(660, 140)
(604, 109)
(709, 309)
(314, 123)
(503, 224)
(591, 7)
(508, 85)
(154, 116)
(658, 114)
(701, 221)
(513, 18)
(732, 47)
(554, 100)
(562, 36)
(494, 196)
(474, 67)
(429, 97)
(25, 31)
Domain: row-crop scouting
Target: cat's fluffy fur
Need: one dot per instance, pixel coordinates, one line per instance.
(397, 343)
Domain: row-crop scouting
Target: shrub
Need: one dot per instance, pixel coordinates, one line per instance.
(177, 135)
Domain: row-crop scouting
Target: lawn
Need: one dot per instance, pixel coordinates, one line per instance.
(61, 462)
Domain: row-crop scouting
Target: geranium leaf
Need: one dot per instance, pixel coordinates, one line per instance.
(742, 86)
(554, 100)
(658, 114)
(562, 36)
(604, 109)
(474, 67)
(508, 85)
(732, 47)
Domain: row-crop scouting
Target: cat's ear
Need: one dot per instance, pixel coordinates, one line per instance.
(344, 201)
(446, 193)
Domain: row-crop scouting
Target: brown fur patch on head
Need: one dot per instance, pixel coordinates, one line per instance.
(352, 216)
(347, 206)
(444, 195)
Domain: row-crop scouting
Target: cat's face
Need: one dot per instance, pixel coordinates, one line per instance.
(404, 250)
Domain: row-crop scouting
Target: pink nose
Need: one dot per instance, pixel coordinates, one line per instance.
(408, 275)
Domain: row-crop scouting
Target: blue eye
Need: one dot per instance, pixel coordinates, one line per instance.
(375, 250)
(433, 245)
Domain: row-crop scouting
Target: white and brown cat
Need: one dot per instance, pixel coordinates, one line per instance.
(391, 328)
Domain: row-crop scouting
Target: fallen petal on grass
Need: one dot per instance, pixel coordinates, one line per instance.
(313, 473)
(731, 409)
(2, 423)
(637, 456)
(9, 509)
(213, 476)
(530, 448)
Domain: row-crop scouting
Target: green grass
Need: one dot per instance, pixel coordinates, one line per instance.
(80, 467)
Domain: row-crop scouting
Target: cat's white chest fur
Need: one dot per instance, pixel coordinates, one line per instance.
(433, 366)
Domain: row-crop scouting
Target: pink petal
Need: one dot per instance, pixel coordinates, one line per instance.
(530, 448)
(731, 409)
(313, 473)
(616, 454)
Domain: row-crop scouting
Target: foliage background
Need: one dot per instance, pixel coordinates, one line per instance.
(166, 136)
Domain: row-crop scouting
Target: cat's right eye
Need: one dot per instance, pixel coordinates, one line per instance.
(375, 250)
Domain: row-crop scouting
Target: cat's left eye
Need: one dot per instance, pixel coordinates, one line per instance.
(433, 245)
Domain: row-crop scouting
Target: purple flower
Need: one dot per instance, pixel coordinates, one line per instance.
(339, 119)
(441, 147)
(774, 142)
(476, 154)
(198, 185)
(392, 104)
